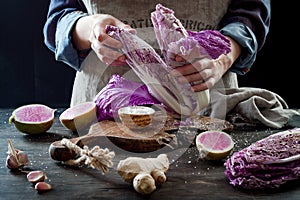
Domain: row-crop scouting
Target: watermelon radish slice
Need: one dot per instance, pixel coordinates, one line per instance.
(214, 145)
(32, 118)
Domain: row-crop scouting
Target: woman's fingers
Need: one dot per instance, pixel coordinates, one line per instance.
(201, 75)
(106, 47)
(107, 54)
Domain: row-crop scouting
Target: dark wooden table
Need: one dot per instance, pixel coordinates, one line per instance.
(187, 178)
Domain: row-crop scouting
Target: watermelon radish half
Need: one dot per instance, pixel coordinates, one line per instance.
(79, 117)
(214, 145)
(33, 118)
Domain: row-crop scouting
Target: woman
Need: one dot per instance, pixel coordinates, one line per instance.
(75, 32)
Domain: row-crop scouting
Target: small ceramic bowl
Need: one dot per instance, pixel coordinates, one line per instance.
(136, 117)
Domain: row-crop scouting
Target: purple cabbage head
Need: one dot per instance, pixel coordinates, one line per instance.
(156, 75)
(267, 163)
(118, 93)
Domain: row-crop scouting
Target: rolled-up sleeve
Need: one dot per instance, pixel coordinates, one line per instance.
(247, 22)
(61, 18)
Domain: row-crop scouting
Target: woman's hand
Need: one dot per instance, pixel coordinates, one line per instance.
(204, 73)
(90, 32)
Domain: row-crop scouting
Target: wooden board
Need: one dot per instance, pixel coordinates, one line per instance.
(164, 131)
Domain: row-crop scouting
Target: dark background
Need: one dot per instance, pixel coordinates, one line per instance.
(30, 74)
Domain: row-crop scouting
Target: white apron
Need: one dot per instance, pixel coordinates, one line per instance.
(194, 15)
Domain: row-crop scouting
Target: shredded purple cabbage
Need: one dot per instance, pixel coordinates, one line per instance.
(267, 163)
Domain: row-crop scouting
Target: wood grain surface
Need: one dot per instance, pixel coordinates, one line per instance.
(187, 178)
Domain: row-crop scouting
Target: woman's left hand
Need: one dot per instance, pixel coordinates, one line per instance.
(204, 73)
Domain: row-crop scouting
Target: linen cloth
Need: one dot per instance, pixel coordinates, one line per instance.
(250, 106)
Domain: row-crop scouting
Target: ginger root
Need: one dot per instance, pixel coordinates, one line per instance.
(146, 174)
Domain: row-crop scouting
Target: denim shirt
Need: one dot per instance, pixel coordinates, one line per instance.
(246, 26)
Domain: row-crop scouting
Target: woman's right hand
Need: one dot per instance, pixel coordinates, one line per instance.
(90, 32)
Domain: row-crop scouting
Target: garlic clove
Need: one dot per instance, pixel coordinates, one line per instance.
(36, 176)
(16, 158)
(12, 163)
(42, 186)
(22, 157)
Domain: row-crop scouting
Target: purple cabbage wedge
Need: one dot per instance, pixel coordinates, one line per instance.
(168, 29)
(119, 93)
(267, 163)
(155, 73)
(173, 39)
